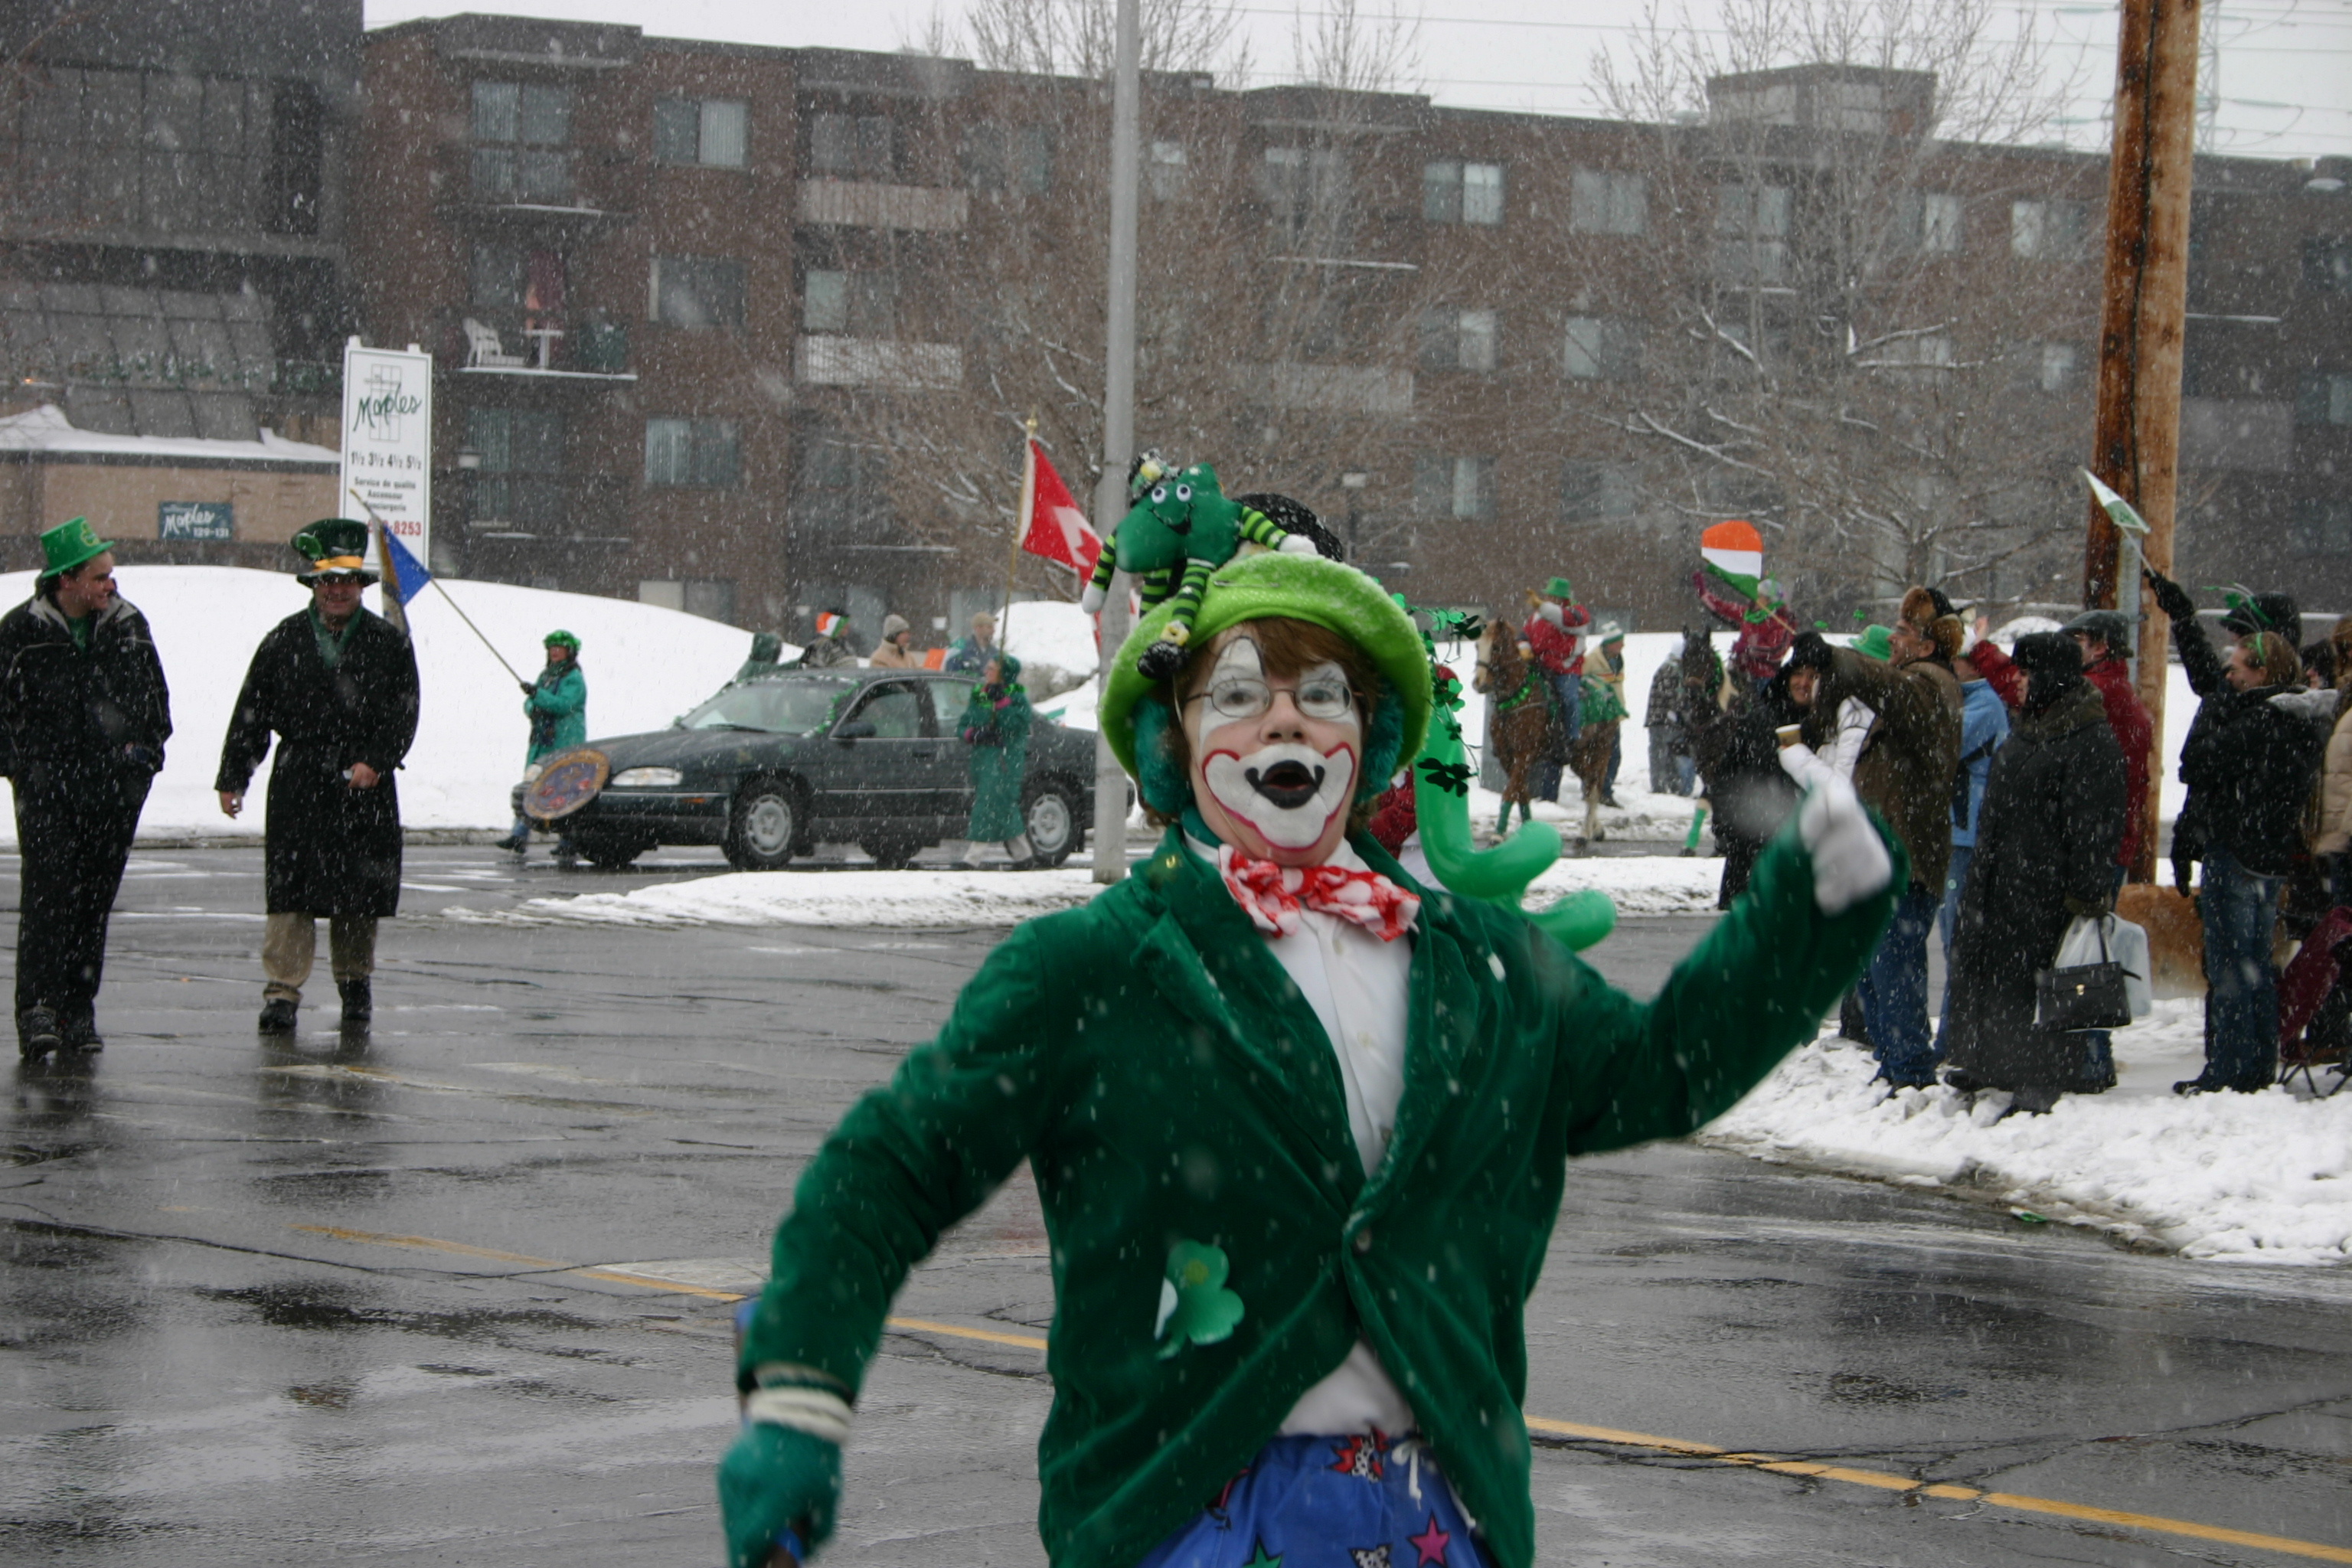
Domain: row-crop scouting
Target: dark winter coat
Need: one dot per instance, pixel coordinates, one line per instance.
(75, 720)
(330, 849)
(2248, 767)
(2047, 840)
(1739, 756)
(1907, 764)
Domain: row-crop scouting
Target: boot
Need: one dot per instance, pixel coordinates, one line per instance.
(79, 1031)
(359, 1000)
(37, 1034)
(277, 1016)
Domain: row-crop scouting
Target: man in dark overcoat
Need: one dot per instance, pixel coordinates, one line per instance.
(84, 714)
(337, 686)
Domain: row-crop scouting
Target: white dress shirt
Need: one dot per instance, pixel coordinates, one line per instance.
(1358, 987)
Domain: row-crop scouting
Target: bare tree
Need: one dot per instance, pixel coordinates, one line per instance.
(1871, 309)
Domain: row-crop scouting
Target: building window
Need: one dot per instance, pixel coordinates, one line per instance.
(1596, 348)
(1932, 222)
(2060, 363)
(497, 278)
(520, 481)
(839, 487)
(852, 146)
(713, 131)
(2325, 399)
(1592, 491)
(1604, 201)
(298, 130)
(707, 453)
(2050, 231)
(1167, 170)
(1462, 193)
(1298, 180)
(1751, 226)
(2327, 264)
(1453, 487)
(1016, 158)
(858, 304)
(698, 292)
(2320, 525)
(1457, 339)
(521, 134)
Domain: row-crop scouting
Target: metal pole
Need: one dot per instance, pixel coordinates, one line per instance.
(1118, 415)
(2135, 445)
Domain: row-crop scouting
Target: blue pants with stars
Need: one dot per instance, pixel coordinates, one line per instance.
(1364, 1502)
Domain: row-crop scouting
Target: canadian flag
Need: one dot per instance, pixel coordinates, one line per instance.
(1056, 525)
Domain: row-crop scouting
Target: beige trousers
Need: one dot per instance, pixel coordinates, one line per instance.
(290, 945)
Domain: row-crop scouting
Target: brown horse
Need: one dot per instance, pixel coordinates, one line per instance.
(1519, 715)
(1588, 759)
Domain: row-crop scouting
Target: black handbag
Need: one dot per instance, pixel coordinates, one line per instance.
(2087, 996)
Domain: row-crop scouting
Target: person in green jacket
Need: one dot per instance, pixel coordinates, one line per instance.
(1299, 1125)
(996, 730)
(557, 706)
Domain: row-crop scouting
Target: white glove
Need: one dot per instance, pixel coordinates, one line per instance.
(1854, 718)
(1804, 764)
(1850, 860)
(1091, 600)
(1298, 544)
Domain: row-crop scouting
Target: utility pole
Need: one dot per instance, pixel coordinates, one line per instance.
(2136, 444)
(1118, 414)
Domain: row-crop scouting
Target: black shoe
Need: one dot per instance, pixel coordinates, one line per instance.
(1612, 802)
(80, 1033)
(2034, 1100)
(37, 1034)
(277, 1016)
(359, 1000)
(515, 843)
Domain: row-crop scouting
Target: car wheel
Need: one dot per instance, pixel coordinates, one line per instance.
(611, 853)
(892, 852)
(763, 825)
(1049, 811)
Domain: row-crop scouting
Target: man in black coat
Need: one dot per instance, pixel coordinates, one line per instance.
(84, 714)
(2249, 767)
(338, 686)
(2046, 838)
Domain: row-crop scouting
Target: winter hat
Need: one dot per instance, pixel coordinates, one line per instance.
(333, 547)
(1875, 642)
(892, 626)
(1008, 668)
(2263, 613)
(2107, 627)
(561, 639)
(1932, 616)
(2054, 663)
(1811, 651)
(1559, 588)
(69, 544)
(1610, 632)
(1136, 714)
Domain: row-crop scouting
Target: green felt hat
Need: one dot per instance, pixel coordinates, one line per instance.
(561, 639)
(333, 547)
(69, 544)
(1875, 642)
(1559, 588)
(1310, 588)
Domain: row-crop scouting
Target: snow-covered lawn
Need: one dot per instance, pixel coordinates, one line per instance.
(2258, 1178)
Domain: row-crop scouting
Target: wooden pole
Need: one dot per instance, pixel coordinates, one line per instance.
(1022, 513)
(2136, 442)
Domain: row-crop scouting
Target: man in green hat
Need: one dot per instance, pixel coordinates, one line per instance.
(337, 685)
(1299, 1123)
(1555, 632)
(84, 714)
(556, 704)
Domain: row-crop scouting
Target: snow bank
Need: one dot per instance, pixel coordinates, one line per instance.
(903, 900)
(2258, 1178)
(645, 666)
(1047, 631)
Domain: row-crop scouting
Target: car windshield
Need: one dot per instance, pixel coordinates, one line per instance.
(801, 705)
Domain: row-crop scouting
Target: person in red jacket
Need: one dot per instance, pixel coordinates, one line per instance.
(1766, 627)
(1555, 632)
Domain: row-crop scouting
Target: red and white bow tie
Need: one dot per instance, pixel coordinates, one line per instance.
(1273, 895)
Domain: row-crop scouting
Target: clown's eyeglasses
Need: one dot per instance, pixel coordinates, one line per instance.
(1246, 697)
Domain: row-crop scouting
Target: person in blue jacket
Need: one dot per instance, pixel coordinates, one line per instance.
(1984, 725)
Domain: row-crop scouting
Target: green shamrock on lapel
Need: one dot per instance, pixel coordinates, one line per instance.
(1194, 1306)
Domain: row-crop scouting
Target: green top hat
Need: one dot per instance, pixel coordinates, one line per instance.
(69, 544)
(1559, 588)
(334, 547)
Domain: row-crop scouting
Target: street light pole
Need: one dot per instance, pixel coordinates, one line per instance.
(1118, 414)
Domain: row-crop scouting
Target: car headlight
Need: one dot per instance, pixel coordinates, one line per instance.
(646, 778)
(531, 775)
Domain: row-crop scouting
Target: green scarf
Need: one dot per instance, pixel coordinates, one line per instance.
(80, 627)
(331, 644)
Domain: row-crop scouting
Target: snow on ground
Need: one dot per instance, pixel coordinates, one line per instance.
(1048, 631)
(906, 901)
(2258, 1178)
(645, 666)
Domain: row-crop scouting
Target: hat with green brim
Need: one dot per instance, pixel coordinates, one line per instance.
(69, 544)
(1309, 588)
(1875, 642)
(334, 547)
(1559, 588)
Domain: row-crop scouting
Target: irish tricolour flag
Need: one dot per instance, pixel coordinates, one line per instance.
(1733, 552)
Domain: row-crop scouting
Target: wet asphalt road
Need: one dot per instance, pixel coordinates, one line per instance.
(383, 1299)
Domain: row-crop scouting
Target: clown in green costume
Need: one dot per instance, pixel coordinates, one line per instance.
(1378, 1083)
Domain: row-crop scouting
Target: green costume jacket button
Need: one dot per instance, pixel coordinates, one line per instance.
(1363, 1242)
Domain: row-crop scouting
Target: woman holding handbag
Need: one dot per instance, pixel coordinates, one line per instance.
(2046, 838)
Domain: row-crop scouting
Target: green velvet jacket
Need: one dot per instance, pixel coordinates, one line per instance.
(1168, 1083)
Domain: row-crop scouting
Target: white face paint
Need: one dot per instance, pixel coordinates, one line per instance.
(1289, 778)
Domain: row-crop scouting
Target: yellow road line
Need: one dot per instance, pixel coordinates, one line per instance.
(1880, 1480)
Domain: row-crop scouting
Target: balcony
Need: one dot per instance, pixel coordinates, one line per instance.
(542, 348)
(863, 204)
(878, 363)
(530, 188)
(578, 509)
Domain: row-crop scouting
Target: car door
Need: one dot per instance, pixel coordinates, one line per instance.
(883, 760)
(949, 694)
